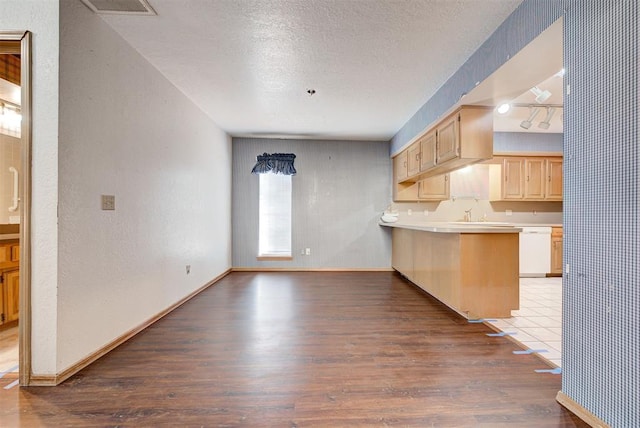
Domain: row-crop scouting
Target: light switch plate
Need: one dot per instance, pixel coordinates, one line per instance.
(108, 202)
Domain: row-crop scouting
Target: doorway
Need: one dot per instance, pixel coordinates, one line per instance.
(15, 203)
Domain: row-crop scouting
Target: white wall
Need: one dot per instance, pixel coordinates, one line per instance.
(126, 131)
(41, 18)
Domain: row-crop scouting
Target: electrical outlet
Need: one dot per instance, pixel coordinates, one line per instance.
(188, 268)
(108, 202)
(508, 212)
(566, 270)
(307, 251)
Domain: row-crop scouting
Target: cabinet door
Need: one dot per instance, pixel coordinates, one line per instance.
(556, 254)
(5, 253)
(553, 189)
(12, 285)
(413, 159)
(534, 179)
(428, 151)
(400, 166)
(448, 140)
(512, 174)
(434, 188)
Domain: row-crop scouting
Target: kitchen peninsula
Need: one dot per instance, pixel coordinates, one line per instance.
(470, 267)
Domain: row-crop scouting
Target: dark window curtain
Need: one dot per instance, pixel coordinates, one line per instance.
(278, 163)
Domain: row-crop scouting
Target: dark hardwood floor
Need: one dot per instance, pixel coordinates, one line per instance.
(298, 350)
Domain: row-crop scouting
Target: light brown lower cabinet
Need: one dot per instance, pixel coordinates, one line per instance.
(475, 274)
(9, 282)
(556, 251)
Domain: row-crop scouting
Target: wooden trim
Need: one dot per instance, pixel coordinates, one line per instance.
(274, 258)
(296, 269)
(52, 380)
(580, 411)
(43, 380)
(24, 325)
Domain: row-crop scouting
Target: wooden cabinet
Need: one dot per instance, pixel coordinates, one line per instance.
(429, 189)
(9, 282)
(400, 166)
(532, 178)
(448, 266)
(402, 251)
(428, 151)
(556, 251)
(434, 188)
(448, 139)
(463, 138)
(413, 159)
(553, 189)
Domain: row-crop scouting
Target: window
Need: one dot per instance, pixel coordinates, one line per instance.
(274, 216)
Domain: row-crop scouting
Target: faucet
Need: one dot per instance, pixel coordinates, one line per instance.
(467, 214)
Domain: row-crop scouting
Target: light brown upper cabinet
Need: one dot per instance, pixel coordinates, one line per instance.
(531, 178)
(534, 178)
(430, 189)
(463, 138)
(553, 189)
(448, 139)
(400, 166)
(434, 188)
(413, 159)
(428, 151)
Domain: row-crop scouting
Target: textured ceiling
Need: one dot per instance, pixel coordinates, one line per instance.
(373, 63)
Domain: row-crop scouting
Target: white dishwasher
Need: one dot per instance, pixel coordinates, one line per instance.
(535, 251)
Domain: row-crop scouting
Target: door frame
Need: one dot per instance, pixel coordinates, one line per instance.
(24, 324)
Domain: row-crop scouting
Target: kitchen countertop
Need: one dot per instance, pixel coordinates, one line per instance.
(454, 227)
(8, 236)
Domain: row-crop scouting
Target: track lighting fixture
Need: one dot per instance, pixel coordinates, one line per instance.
(546, 122)
(526, 124)
(541, 96)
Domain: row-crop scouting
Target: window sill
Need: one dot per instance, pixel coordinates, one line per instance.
(275, 258)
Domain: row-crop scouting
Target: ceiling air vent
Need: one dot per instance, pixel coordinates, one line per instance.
(122, 7)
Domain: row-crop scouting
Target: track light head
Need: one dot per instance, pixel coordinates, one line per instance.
(526, 124)
(546, 122)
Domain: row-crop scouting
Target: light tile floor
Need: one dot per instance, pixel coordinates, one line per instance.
(537, 324)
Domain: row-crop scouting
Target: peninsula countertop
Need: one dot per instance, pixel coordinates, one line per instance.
(455, 227)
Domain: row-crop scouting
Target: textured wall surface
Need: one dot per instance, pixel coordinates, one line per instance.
(601, 311)
(126, 131)
(41, 18)
(339, 193)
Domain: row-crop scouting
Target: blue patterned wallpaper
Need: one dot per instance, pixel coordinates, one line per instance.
(601, 294)
(526, 142)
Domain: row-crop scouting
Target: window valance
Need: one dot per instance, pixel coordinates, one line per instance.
(278, 163)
